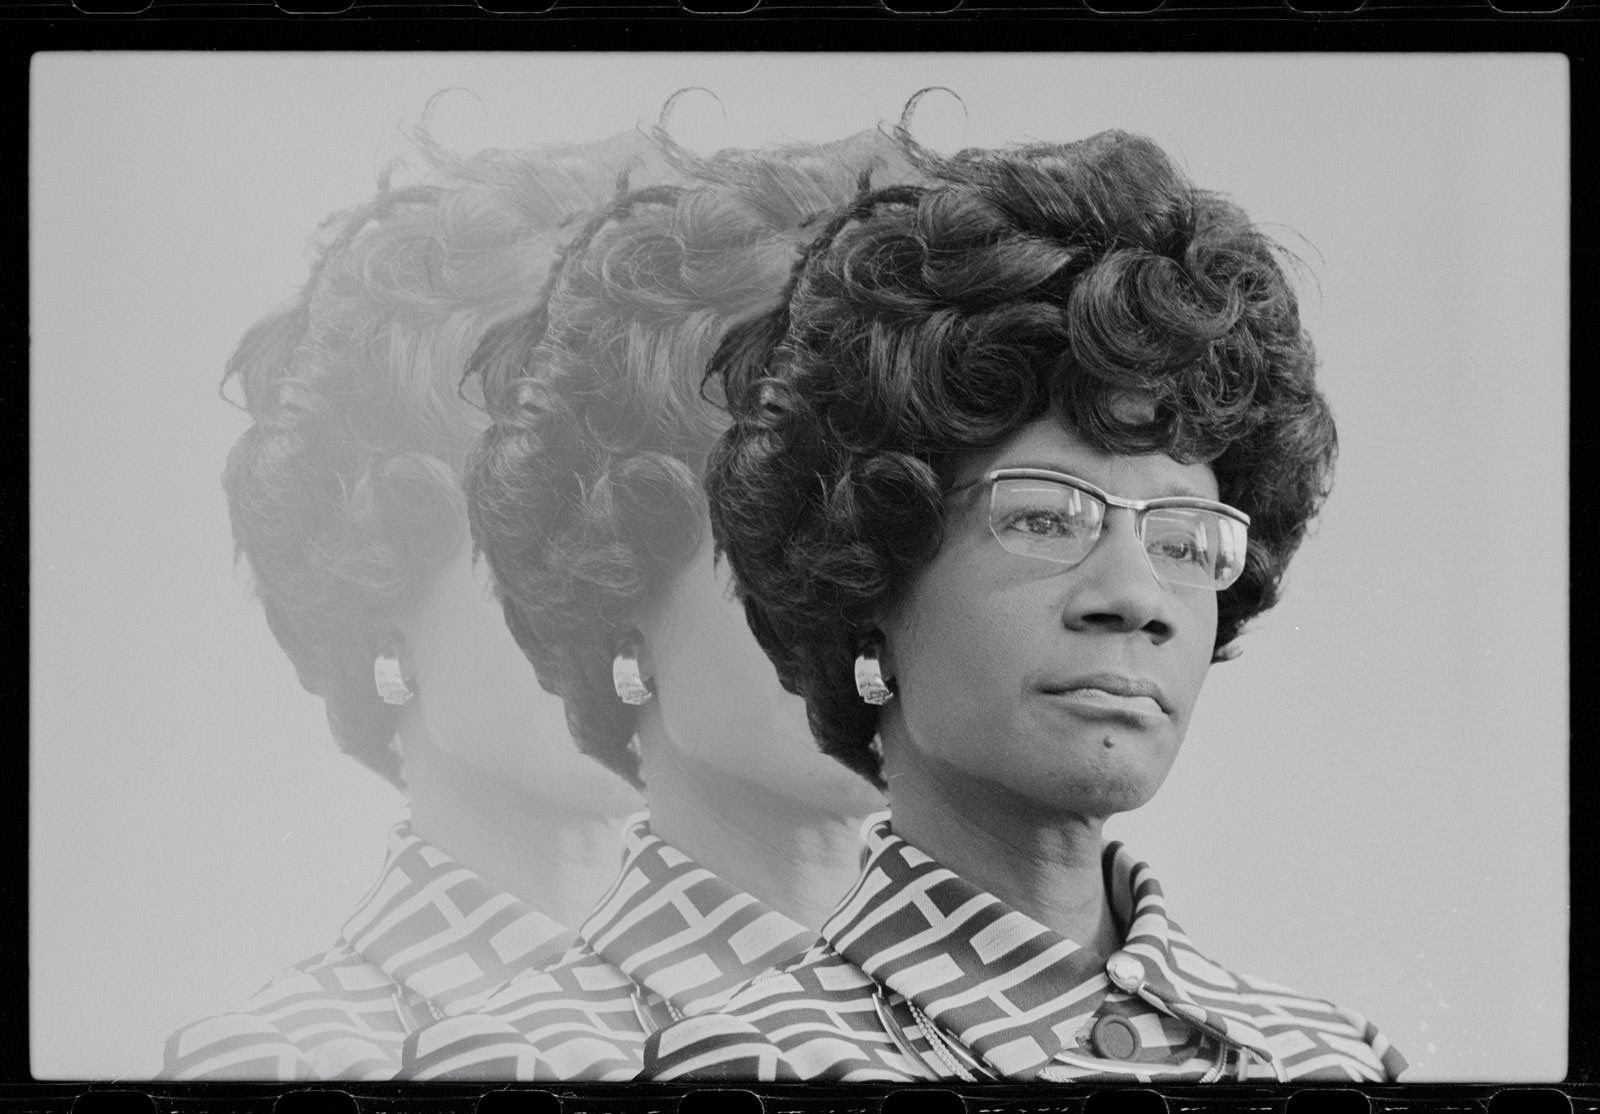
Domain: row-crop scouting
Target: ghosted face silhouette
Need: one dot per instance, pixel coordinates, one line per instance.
(718, 699)
(483, 707)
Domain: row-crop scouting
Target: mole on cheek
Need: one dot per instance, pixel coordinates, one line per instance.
(1107, 743)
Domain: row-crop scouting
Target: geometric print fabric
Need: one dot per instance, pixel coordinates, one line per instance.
(1008, 997)
(669, 939)
(430, 939)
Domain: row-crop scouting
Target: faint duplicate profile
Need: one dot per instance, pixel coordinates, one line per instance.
(586, 498)
(346, 504)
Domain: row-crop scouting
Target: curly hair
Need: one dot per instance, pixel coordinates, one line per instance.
(938, 319)
(585, 493)
(344, 491)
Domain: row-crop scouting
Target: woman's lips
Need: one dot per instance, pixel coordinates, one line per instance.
(1109, 694)
(1100, 700)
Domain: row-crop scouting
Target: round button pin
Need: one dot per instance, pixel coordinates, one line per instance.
(1125, 971)
(1115, 1038)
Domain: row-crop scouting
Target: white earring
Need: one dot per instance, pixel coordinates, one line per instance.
(390, 680)
(871, 684)
(625, 678)
(1228, 653)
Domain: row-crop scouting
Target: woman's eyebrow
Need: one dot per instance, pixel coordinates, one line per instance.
(1176, 489)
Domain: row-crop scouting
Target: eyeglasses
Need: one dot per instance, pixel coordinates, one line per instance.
(1034, 512)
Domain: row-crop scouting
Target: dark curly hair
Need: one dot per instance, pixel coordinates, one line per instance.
(933, 320)
(344, 492)
(585, 493)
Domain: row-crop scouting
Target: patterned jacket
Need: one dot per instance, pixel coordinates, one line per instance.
(920, 975)
(429, 940)
(669, 940)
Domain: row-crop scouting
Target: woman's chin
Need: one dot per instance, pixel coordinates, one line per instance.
(1120, 787)
(1088, 779)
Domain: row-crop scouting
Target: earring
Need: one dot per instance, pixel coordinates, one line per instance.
(390, 679)
(1229, 652)
(871, 684)
(631, 687)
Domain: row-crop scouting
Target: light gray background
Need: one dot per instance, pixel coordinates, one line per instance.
(1371, 804)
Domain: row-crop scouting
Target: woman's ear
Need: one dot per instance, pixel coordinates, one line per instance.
(643, 628)
(878, 632)
(646, 650)
(394, 673)
(631, 671)
(885, 653)
(874, 679)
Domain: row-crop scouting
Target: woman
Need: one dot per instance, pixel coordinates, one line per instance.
(345, 499)
(586, 501)
(1020, 455)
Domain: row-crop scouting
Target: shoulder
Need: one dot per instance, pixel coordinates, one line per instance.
(1312, 1038)
(331, 1016)
(814, 1020)
(578, 1019)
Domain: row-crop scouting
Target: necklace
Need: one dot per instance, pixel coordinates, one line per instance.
(948, 1058)
(647, 1018)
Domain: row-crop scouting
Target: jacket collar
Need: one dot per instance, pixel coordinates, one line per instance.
(442, 932)
(680, 931)
(1010, 989)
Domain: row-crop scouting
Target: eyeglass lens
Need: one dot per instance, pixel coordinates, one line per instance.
(1189, 546)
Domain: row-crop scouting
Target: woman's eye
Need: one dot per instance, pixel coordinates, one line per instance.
(1183, 549)
(1041, 523)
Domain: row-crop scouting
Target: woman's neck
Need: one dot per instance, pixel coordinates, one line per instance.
(558, 861)
(1044, 864)
(796, 858)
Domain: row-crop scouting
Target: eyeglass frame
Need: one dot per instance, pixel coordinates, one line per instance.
(1138, 506)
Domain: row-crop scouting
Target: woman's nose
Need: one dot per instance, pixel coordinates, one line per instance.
(1114, 588)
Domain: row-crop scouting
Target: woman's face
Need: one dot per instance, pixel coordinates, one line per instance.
(718, 701)
(1009, 668)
